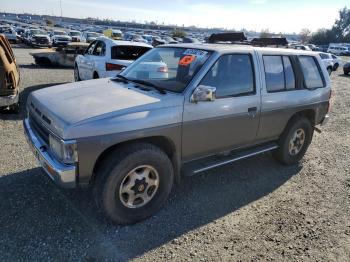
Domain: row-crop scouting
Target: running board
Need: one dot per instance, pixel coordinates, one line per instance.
(208, 163)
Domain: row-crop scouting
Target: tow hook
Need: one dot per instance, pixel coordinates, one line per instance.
(318, 130)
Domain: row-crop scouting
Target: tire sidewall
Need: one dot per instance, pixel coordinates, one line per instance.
(300, 124)
(111, 201)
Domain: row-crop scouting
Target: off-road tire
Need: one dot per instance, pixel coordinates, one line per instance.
(112, 171)
(282, 154)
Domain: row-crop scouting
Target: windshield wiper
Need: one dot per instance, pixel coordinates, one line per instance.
(125, 79)
(146, 83)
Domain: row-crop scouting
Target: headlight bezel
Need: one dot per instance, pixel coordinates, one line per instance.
(65, 151)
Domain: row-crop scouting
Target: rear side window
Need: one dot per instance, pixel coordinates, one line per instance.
(128, 52)
(279, 73)
(311, 71)
(232, 75)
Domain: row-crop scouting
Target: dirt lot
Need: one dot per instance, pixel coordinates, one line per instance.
(252, 210)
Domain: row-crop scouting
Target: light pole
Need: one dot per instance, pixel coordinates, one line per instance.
(61, 8)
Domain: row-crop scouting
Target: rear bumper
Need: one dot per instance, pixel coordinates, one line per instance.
(9, 100)
(63, 175)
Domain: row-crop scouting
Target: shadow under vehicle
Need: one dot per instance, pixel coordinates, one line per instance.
(9, 78)
(61, 56)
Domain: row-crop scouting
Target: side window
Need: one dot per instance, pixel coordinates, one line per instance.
(279, 73)
(91, 48)
(232, 75)
(288, 73)
(100, 49)
(311, 72)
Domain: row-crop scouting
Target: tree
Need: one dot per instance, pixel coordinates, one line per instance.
(341, 27)
(323, 37)
(305, 35)
(49, 22)
(265, 33)
(178, 33)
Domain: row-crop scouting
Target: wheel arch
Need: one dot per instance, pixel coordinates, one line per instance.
(309, 114)
(164, 143)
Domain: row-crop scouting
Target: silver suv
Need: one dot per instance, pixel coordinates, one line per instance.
(131, 136)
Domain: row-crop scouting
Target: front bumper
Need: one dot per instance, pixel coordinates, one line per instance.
(62, 175)
(9, 100)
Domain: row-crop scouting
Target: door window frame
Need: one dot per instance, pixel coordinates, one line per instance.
(252, 93)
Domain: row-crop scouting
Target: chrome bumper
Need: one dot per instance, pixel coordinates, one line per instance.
(9, 100)
(62, 175)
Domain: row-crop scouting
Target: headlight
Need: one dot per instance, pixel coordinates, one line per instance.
(65, 151)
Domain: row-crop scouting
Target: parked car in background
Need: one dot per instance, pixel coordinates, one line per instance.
(113, 34)
(302, 47)
(170, 40)
(9, 77)
(37, 37)
(9, 33)
(328, 61)
(137, 38)
(346, 68)
(90, 36)
(76, 36)
(106, 58)
(60, 38)
(338, 49)
(190, 40)
(148, 38)
(158, 41)
(131, 136)
(61, 56)
(313, 47)
(337, 61)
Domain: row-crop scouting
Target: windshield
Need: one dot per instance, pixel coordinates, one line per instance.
(38, 32)
(92, 35)
(59, 33)
(168, 68)
(74, 34)
(128, 52)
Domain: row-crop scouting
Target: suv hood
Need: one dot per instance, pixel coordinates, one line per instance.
(79, 103)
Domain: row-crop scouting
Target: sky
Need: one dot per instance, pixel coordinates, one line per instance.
(277, 16)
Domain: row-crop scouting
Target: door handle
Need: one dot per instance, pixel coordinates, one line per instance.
(252, 111)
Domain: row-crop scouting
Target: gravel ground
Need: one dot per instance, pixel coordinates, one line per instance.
(252, 210)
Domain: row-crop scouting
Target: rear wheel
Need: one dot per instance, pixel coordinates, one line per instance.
(294, 141)
(76, 73)
(346, 72)
(96, 76)
(133, 183)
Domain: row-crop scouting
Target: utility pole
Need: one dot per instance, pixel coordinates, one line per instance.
(61, 9)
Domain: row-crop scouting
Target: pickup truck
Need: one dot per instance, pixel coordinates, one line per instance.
(131, 136)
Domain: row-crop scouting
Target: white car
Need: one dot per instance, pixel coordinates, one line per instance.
(60, 38)
(338, 49)
(9, 33)
(76, 36)
(328, 61)
(106, 58)
(337, 61)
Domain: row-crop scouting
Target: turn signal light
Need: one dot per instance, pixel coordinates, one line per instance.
(114, 67)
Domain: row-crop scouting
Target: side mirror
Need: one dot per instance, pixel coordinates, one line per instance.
(203, 93)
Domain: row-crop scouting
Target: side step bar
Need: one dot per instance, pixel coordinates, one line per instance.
(202, 165)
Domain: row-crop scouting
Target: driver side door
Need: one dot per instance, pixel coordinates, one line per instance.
(85, 63)
(230, 121)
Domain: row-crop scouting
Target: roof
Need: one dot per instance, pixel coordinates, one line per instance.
(221, 48)
(121, 42)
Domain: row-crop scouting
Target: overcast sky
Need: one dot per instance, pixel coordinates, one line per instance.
(277, 16)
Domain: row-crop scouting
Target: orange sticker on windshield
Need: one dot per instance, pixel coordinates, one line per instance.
(187, 60)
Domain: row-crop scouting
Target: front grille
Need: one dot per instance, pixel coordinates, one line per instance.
(41, 40)
(39, 129)
(62, 39)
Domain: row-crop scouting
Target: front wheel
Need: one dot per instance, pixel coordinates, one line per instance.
(294, 141)
(133, 183)
(76, 74)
